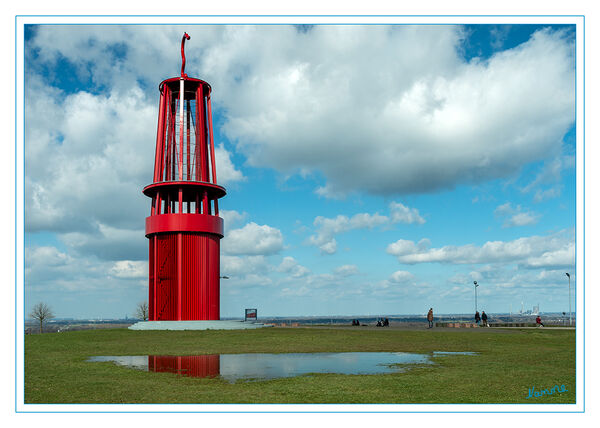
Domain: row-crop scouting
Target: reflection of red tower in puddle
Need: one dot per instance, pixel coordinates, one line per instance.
(189, 365)
(184, 227)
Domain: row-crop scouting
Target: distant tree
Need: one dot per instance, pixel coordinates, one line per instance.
(41, 312)
(141, 311)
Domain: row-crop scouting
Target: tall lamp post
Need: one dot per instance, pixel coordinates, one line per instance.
(570, 319)
(476, 285)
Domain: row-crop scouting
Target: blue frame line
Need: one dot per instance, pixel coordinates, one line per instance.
(583, 203)
(301, 16)
(17, 17)
(15, 227)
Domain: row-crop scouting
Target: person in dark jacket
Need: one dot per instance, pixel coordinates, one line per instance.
(484, 319)
(477, 317)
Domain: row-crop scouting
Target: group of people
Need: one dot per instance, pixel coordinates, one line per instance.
(481, 318)
(383, 322)
(478, 318)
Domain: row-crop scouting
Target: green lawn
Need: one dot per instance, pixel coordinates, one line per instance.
(509, 363)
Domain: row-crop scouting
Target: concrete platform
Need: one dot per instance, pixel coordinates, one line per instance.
(196, 325)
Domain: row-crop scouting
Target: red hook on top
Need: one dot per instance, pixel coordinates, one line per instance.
(183, 39)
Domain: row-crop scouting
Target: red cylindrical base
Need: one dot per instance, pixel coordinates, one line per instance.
(184, 276)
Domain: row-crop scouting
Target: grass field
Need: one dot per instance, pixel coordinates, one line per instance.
(510, 362)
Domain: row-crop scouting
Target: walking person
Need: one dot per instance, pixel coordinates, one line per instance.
(484, 319)
(430, 317)
(477, 317)
(538, 321)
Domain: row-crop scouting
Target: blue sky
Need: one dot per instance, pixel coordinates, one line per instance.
(369, 169)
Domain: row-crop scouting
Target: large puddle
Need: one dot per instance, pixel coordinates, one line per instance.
(233, 367)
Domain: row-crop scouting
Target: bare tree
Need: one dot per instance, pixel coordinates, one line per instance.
(41, 312)
(141, 311)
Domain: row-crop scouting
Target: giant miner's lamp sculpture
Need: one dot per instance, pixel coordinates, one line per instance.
(184, 228)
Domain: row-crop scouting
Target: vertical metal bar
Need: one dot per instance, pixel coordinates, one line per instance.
(179, 274)
(180, 200)
(181, 98)
(212, 144)
(206, 203)
(164, 138)
(159, 137)
(170, 139)
(167, 154)
(203, 142)
(188, 112)
(218, 280)
(199, 132)
(174, 145)
(154, 242)
(204, 278)
(196, 276)
(173, 141)
(171, 147)
(188, 115)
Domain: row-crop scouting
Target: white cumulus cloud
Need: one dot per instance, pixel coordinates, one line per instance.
(328, 228)
(291, 266)
(346, 270)
(401, 277)
(130, 269)
(400, 213)
(529, 252)
(242, 266)
(253, 239)
(382, 109)
(516, 216)
(424, 122)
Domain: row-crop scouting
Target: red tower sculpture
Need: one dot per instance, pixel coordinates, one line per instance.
(184, 227)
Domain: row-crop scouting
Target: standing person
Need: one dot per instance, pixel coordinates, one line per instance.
(538, 321)
(430, 317)
(477, 317)
(484, 319)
